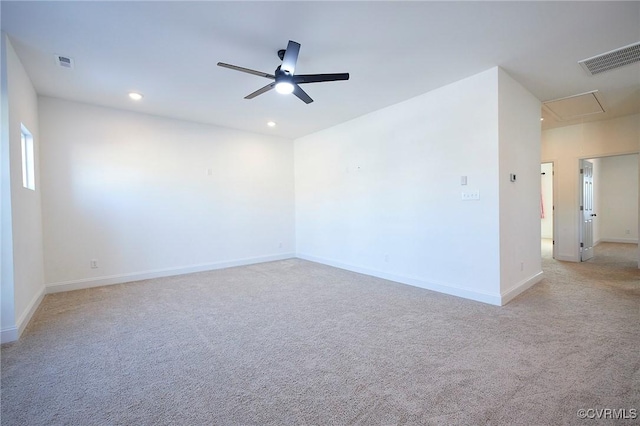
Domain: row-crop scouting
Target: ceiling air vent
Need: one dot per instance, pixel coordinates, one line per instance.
(612, 60)
(64, 61)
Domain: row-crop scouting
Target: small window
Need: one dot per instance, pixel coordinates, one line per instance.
(28, 159)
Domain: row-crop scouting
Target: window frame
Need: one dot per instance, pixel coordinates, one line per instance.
(28, 158)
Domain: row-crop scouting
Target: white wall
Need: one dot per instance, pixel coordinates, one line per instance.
(565, 146)
(519, 134)
(8, 329)
(618, 210)
(134, 192)
(381, 194)
(546, 182)
(24, 241)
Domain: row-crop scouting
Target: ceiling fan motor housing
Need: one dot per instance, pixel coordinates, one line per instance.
(283, 76)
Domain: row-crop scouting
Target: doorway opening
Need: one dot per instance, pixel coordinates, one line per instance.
(609, 209)
(546, 210)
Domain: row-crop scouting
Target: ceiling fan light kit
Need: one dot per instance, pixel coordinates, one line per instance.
(284, 87)
(285, 79)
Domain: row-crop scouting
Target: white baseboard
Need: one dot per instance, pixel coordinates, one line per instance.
(80, 284)
(618, 240)
(520, 287)
(11, 334)
(467, 293)
(567, 258)
(32, 307)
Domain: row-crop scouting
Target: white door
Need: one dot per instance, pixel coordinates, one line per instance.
(586, 210)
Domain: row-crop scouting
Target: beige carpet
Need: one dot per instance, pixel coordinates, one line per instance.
(294, 343)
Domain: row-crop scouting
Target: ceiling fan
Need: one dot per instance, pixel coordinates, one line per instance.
(285, 80)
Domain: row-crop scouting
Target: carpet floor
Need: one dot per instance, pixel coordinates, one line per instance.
(298, 343)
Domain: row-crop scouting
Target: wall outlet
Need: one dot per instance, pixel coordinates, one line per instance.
(93, 263)
(471, 195)
(628, 232)
(280, 244)
(386, 257)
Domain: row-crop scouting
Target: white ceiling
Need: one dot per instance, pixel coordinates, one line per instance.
(393, 50)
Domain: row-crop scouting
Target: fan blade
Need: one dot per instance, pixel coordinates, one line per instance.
(261, 91)
(318, 78)
(247, 70)
(297, 90)
(290, 57)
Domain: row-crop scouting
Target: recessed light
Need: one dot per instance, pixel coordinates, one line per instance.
(271, 123)
(541, 119)
(135, 96)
